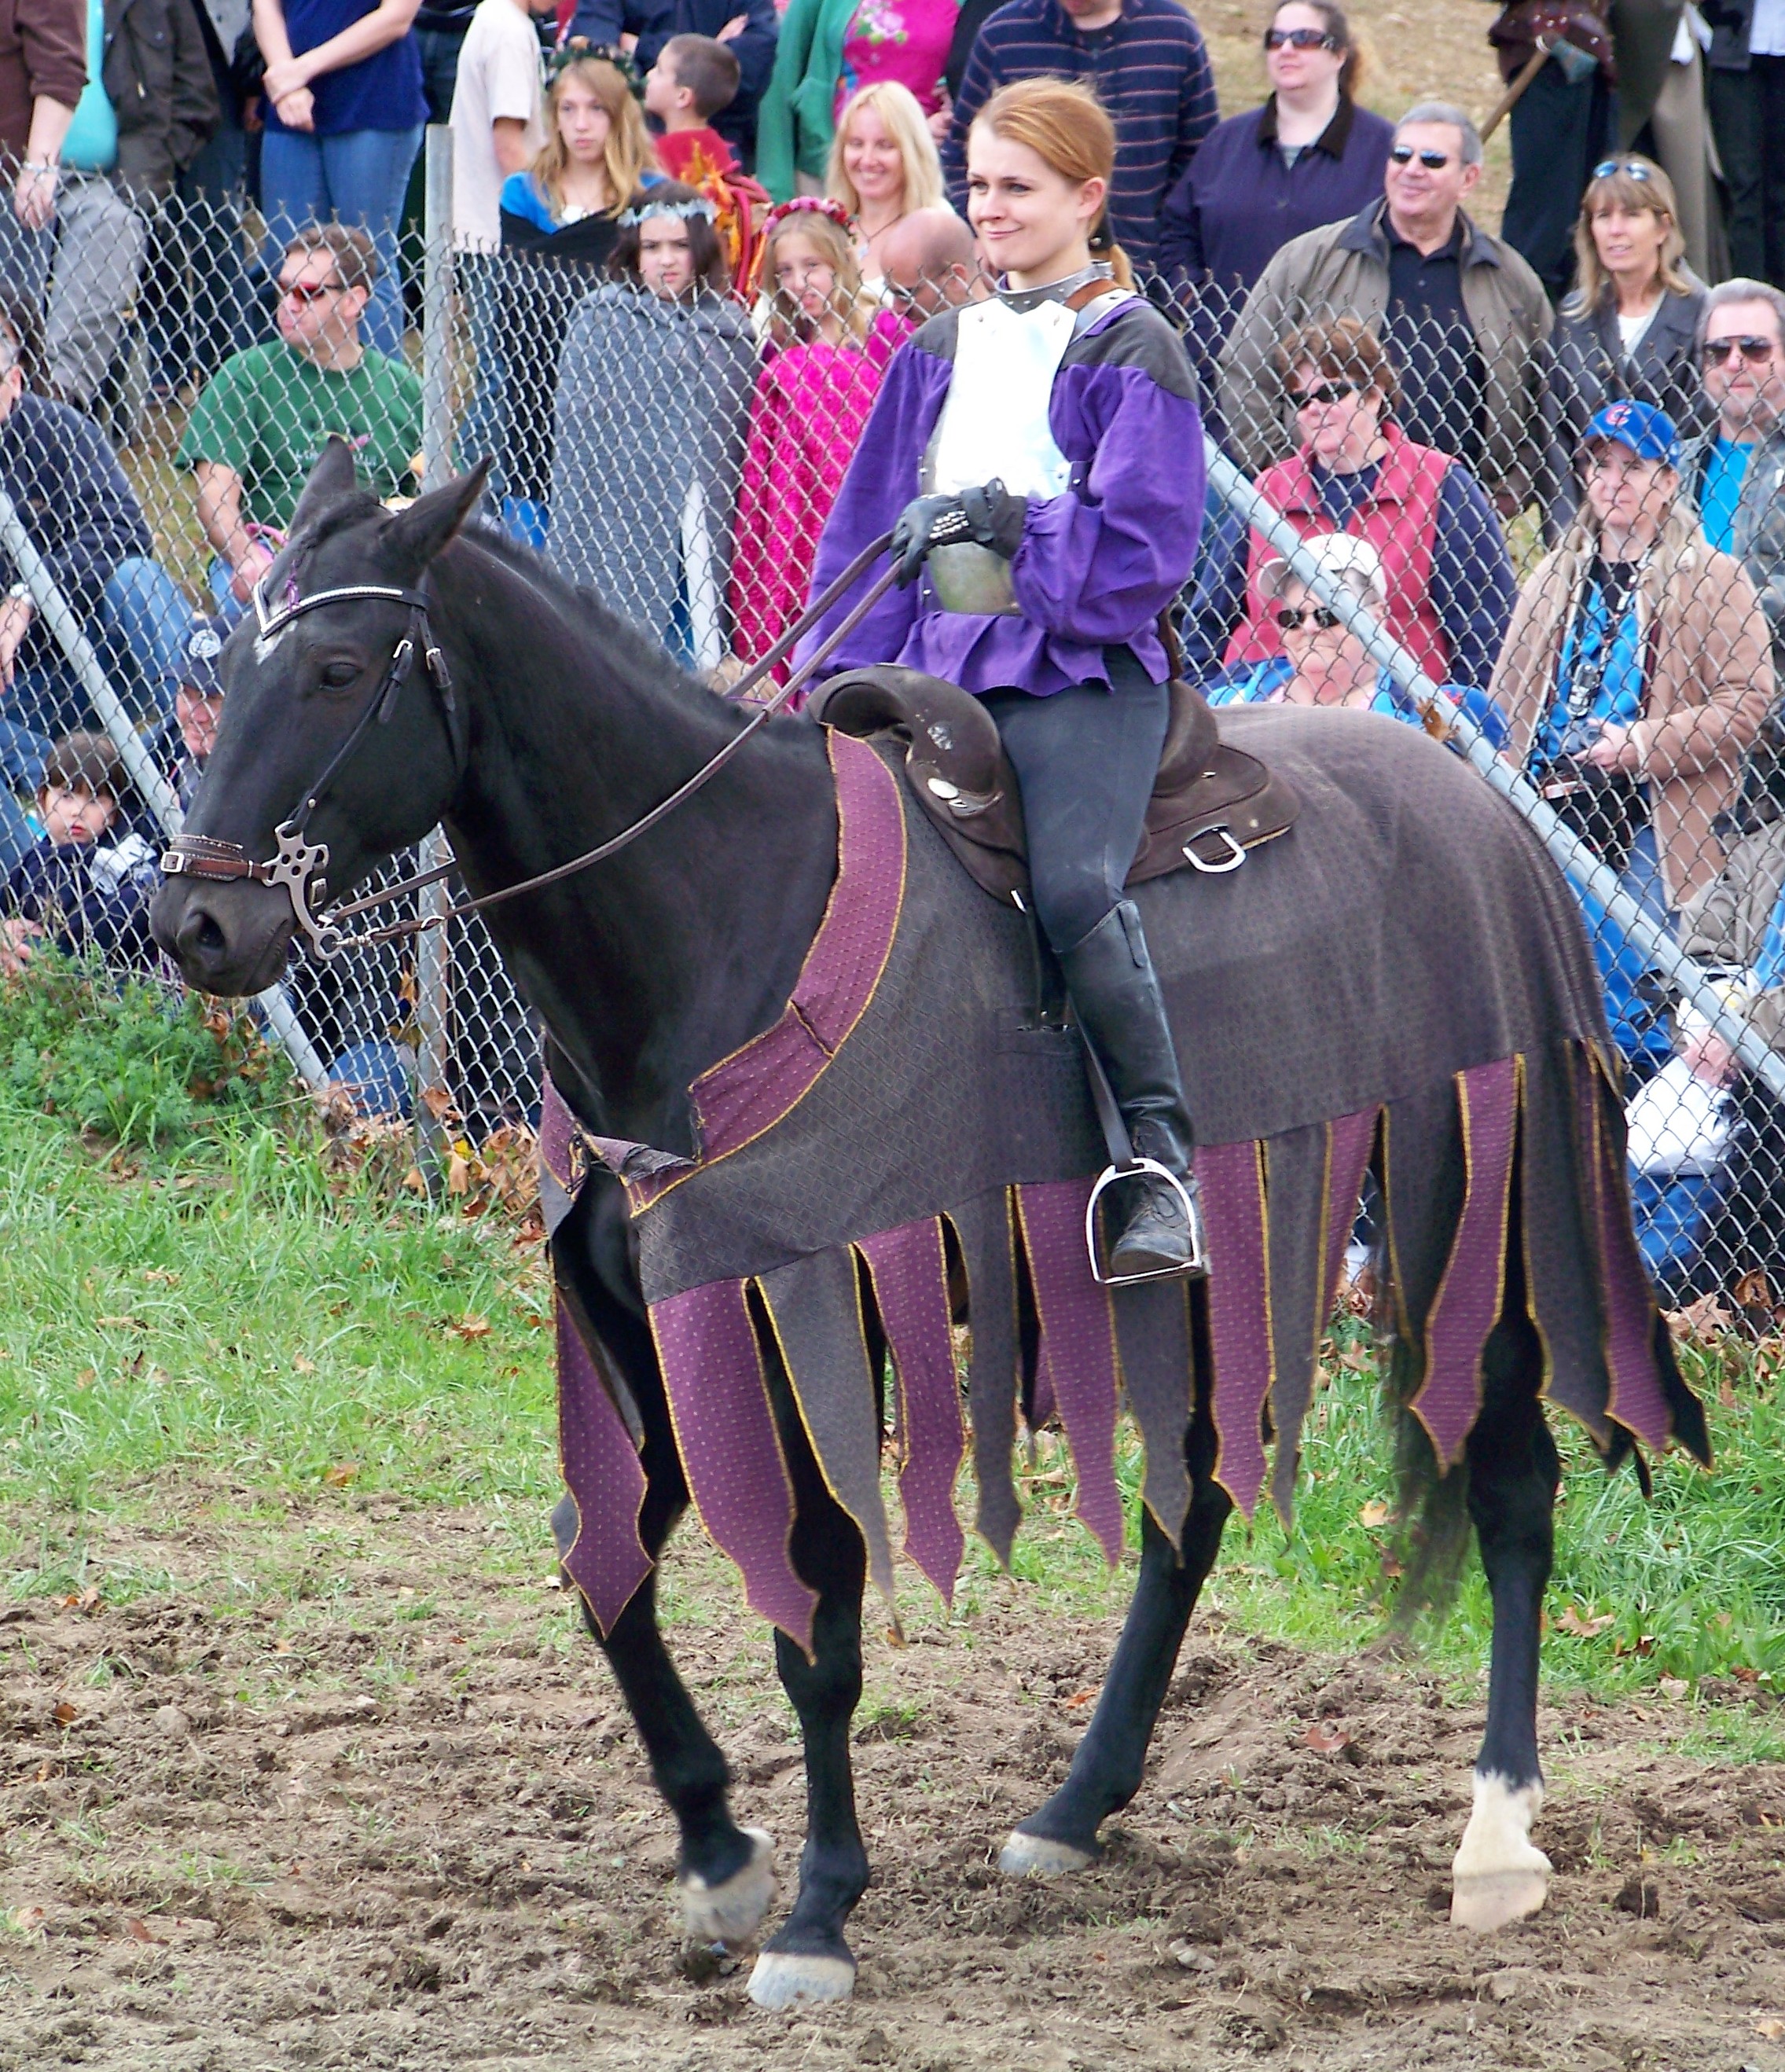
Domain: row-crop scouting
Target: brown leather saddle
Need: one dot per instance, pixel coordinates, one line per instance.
(1210, 801)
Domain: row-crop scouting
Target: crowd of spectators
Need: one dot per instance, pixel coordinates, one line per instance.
(690, 238)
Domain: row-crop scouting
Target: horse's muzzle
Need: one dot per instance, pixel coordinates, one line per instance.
(229, 938)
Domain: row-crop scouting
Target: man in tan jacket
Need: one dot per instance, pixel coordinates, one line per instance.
(1462, 316)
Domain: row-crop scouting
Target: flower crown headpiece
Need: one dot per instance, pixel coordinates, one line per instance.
(696, 205)
(808, 205)
(580, 47)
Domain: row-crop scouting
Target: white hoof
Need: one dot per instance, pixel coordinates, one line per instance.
(1498, 1877)
(784, 1981)
(732, 1911)
(1034, 1856)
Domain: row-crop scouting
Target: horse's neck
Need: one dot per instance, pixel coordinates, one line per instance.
(648, 968)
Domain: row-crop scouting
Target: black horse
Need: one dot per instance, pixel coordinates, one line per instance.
(1471, 1047)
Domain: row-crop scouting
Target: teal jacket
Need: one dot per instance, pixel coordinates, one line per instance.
(793, 124)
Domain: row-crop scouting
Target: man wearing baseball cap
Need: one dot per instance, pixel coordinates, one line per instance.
(197, 702)
(1635, 676)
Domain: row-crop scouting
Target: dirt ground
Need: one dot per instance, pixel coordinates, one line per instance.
(390, 1815)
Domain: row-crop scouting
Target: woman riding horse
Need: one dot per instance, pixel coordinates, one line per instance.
(1047, 451)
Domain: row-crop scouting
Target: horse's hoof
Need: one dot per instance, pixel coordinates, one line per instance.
(1038, 1855)
(732, 1910)
(1487, 1903)
(783, 1980)
(1498, 1876)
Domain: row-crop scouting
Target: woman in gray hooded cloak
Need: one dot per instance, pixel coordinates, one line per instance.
(653, 396)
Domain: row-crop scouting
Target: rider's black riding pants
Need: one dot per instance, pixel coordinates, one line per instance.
(1085, 760)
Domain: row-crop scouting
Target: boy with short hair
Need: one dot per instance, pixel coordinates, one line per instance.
(77, 885)
(694, 79)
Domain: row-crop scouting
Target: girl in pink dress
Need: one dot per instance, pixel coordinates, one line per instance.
(828, 349)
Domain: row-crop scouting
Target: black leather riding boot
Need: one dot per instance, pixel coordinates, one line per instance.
(1115, 996)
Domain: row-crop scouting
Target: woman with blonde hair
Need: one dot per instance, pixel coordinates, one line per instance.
(1629, 328)
(1038, 456)
(882, 166)
(1636, 675)
(561, 220)
(828, 347)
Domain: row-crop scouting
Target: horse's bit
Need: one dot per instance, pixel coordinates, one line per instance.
(298, 864)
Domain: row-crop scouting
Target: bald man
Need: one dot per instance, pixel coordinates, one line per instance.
(930, 263)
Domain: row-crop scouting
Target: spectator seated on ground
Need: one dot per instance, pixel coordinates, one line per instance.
(1463, 315)
(930, 262)
(1707, 1144)
(263, 417)
(80, 515)
(695, 79)
(1323, 662)
(1448, 581)
(84, 885)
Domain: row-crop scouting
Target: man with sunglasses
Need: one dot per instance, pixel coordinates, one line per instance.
(1464, 316)
(266, 415)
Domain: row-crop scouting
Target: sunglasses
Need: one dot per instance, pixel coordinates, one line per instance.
(304, 293)
(1300, 40)
(1630, 168)
(1433, 161)
(1326, 392)
(1323, 616)
(1757, 351)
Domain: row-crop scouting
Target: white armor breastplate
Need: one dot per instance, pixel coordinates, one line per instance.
(994, 425)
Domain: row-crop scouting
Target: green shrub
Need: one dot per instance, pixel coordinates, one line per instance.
(137, 1064)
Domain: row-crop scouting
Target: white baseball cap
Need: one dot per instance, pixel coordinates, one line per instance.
(1335, 554)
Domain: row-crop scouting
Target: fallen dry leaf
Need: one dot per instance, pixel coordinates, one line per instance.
(300, 1365)
(470, 1328)
(1585, 1625)
(343, 1472)
(1327, 1738)
(121, 1323)
(65, 1715)
(1079, 1698)
(22, 1920)
(1375, 1513)
(138, 1931)
(1771, 2026)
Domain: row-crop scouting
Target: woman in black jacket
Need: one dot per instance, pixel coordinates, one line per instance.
(1629, 330)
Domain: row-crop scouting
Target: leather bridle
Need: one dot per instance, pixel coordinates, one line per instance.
(298, 865)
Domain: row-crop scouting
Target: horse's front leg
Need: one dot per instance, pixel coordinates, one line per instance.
(1499, 1875)
(1108, 1763)
(807, 1958)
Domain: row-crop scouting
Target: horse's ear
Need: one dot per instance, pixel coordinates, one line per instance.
(419, 533)
(330, 479)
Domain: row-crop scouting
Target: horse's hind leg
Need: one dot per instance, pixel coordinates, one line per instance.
(1108, 1763)
(807, 1958)
(1498, 1875)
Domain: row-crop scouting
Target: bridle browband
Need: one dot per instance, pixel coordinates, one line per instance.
(297, 864)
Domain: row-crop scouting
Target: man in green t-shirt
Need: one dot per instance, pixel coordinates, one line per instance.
(266, 415)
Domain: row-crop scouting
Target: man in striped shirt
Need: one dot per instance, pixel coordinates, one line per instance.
(1146, 60)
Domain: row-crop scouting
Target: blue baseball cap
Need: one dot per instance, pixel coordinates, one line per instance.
(1648, 432)
(200, 651)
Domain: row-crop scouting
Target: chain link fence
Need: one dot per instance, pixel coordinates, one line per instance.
(1404, 514)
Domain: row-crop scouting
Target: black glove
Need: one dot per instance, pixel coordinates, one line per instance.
(988, 517)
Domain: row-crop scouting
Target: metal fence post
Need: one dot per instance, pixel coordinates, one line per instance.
(1575, 855)
(433, 952)
(152, 786)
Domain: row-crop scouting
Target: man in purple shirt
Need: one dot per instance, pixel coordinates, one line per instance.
(1145, 60)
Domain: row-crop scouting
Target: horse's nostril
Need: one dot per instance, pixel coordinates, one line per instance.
(200, 936)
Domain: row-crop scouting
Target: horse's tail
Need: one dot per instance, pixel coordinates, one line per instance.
(1431, 1542)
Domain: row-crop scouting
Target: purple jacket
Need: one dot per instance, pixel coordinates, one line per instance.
(1238, 203)
(1097, 564)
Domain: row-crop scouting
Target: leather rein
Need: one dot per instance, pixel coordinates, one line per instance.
(298, 865)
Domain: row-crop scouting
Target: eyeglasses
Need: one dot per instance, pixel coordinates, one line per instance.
(1323, 616)
(1301, 40)
(1326, 392)
(304, 293)
(1757, 351)
(1632, 169)
(1433, 161)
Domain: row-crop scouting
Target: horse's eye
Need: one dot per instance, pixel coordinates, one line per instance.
(338, 675)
